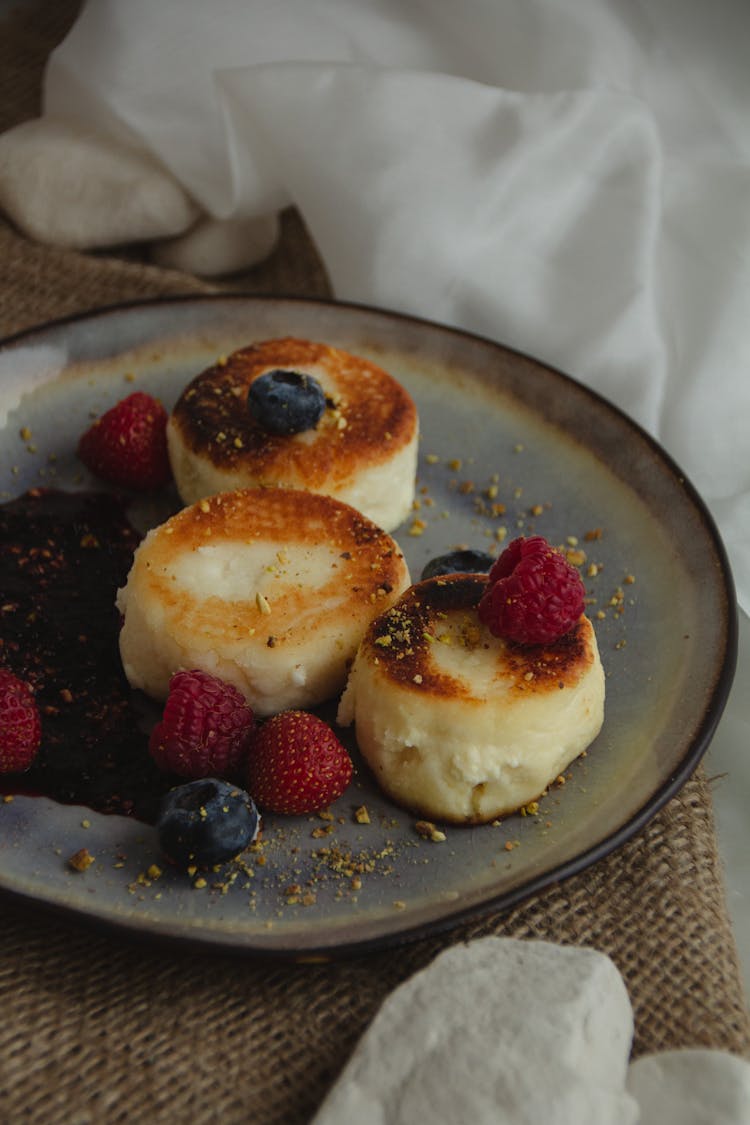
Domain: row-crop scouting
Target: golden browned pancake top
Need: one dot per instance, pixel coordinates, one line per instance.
(402, 639)
(369, 416)
(363, 565)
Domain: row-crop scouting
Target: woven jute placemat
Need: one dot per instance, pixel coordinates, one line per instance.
(96, 1028)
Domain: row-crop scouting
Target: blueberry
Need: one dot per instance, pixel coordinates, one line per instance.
(286, 402)
(206, 822)
(464, 562)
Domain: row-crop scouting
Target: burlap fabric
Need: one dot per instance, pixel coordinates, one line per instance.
(97, 1029)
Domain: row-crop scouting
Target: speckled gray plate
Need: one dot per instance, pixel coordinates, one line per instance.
(497, 427)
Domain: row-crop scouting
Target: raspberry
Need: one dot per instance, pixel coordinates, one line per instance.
(296, 764)
(534, 595)
(205, 728)
(127, 446)
(20, 726)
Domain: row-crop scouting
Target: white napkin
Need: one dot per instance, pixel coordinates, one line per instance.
(570, 177)
(507, 1032)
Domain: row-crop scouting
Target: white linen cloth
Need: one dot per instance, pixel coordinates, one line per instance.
(570, 177)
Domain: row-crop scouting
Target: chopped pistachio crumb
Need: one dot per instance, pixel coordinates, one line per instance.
(81, 860)
(428, 831)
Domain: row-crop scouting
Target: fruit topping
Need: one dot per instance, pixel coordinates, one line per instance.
(534, 595)
(20, 726)
(127, 446)
(205, 728)
(206, 822)
(63, 556)
(297, 764)
(466, 560)
(286, 402)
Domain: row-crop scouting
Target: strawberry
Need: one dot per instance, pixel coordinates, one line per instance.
(296, 764)
(20, 726)
(127, 446)
(205, 728)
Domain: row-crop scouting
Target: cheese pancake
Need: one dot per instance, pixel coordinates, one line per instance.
(363, 450)
(461, 726)
(268, 589)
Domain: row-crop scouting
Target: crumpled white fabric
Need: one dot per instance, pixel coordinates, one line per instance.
(502, 1031)
(571, 177)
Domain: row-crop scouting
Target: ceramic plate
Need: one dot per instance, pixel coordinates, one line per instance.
(497, 428)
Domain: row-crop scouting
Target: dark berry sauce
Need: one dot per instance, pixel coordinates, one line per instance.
(62, 557)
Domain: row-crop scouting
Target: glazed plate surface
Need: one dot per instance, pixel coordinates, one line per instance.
(499, 431)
